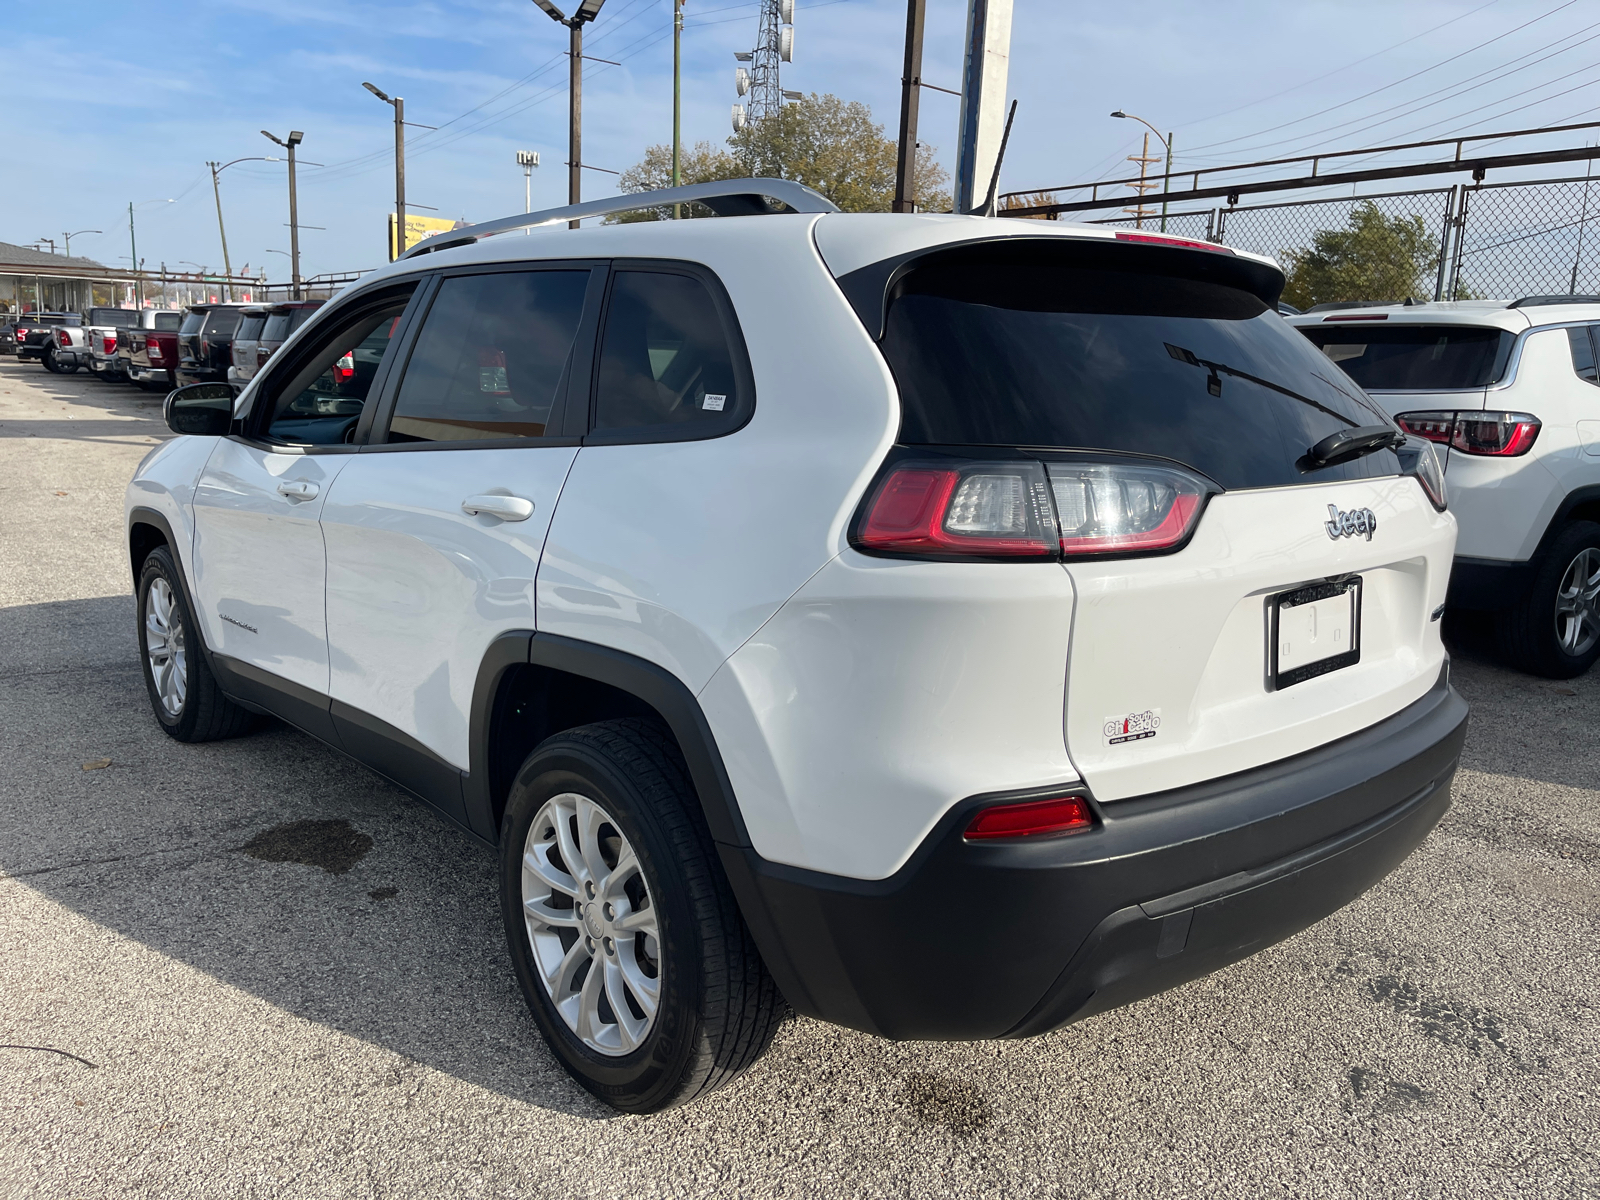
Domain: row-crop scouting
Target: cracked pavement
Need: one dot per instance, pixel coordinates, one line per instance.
(254, 969)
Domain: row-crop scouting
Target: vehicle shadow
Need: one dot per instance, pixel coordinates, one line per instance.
(269, 862)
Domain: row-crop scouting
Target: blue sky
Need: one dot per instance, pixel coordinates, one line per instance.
(131, 106)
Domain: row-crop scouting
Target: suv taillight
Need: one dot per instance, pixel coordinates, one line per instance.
(1026, 509)
(1490, 434)
(108, 345)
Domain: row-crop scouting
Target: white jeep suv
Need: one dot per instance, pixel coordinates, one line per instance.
(948, 627)
(1510, 393)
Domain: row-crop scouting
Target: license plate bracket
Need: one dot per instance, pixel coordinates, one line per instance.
(1314, 631)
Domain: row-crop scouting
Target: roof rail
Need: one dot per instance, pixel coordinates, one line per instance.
(1537, 301)
(726, 198)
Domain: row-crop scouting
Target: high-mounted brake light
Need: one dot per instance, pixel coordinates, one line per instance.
(1156, 239)
(1357, 317)
(1484, 434)
(1031, 818)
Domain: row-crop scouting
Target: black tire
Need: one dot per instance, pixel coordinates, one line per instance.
(48, 360)
(204, 713)
(718, 1008)
(1530, 635)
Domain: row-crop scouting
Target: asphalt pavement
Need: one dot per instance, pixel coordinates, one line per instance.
(254, 969)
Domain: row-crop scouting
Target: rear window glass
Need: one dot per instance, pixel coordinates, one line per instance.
(122, 318)
(168, 322)
(222, 323)
(250, 328)
(298, 317)
(1431, 358)
(192, 322)
(1022, 345)
(276, 328)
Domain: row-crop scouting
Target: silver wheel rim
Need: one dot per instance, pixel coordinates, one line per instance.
(1578, 604)
(591, 924)
(163, 645)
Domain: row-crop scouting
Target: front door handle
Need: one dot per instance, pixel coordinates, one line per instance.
(298, 489)
(507, 508)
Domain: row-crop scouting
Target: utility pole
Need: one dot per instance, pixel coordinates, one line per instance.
(677, 97)
(295, 138)
(983, 99)
(398, 103)
(216, 190)
(133, 248)
(905, 175)
(588, 10)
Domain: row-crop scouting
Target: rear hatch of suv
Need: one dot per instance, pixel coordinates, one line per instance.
(1246, 589)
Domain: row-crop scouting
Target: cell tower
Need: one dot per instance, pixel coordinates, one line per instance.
(759, 80)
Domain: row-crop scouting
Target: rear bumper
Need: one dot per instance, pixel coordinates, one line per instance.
(973, 940)
(105, 366)
(149, 374)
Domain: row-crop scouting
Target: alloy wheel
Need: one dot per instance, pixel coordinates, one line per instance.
(592, 924)
(164, 648)
(1578, 604)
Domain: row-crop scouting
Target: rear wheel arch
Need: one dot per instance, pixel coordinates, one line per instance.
(531, 686)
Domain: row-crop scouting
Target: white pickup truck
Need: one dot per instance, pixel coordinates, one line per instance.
(102, 328)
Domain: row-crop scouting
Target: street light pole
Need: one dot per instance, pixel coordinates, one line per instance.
(295, 138)
(67, 238)
(399, 105)
(677, 98)
(1166, 141)
(587, 11)
(905, 176)
(216, 190)
(133, 247)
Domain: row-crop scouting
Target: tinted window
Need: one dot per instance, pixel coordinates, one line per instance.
(168, 322)
(276, 328)
(1415, 357)
(492, 357)
(192, 322)
(322, 401)
(1018, 346)
(122, 318)
(221, 324)
(250, 329)
(1578, 337)
(665, 363)
(298, 317)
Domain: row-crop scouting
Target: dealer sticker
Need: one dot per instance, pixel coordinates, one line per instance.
(1132, 727)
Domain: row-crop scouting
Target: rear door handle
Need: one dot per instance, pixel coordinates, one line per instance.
(507, 508)
(298, 489)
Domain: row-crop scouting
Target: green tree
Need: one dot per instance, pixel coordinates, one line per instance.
(826, 143)
(1374, 258)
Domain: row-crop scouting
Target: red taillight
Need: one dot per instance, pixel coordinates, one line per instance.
(108, 345)
(1028, 509)
(986, 510)
(154, 348)
(21, 332)
(1161, 239)
(1485, 434)
(1032, 818)
(345, 369)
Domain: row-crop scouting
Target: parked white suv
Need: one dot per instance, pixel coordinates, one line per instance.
(952, 627)
(1510, 393)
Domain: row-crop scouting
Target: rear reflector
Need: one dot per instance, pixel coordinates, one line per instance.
(1157, 239)
(1485, 434)
(1032, 818)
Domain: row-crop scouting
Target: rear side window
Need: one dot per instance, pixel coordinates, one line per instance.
(192, 322)
(666, 366)
(1064, 347)
(1580, 338)
(492, 358)
(1429, 358)
(168, 322)
(250, 329)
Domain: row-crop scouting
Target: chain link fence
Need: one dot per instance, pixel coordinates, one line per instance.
(1490, 241)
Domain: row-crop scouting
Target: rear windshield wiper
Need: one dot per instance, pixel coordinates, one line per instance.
(1349, 444)
(1214, 383)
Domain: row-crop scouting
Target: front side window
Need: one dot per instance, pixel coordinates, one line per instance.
(666, 367)
(322, 399)
(492, 357)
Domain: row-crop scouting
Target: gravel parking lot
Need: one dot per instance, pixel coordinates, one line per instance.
(252, 968)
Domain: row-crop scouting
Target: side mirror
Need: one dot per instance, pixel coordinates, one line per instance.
(201, 408)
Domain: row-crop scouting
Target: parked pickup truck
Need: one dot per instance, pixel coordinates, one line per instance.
(148, 355)
(101, 328)
(36, 334)
(205, 342)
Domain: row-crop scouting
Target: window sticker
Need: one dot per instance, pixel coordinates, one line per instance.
(714, 402)
(1132, 727)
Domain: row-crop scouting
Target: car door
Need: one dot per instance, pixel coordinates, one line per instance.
(258, 560)
(435, 529)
